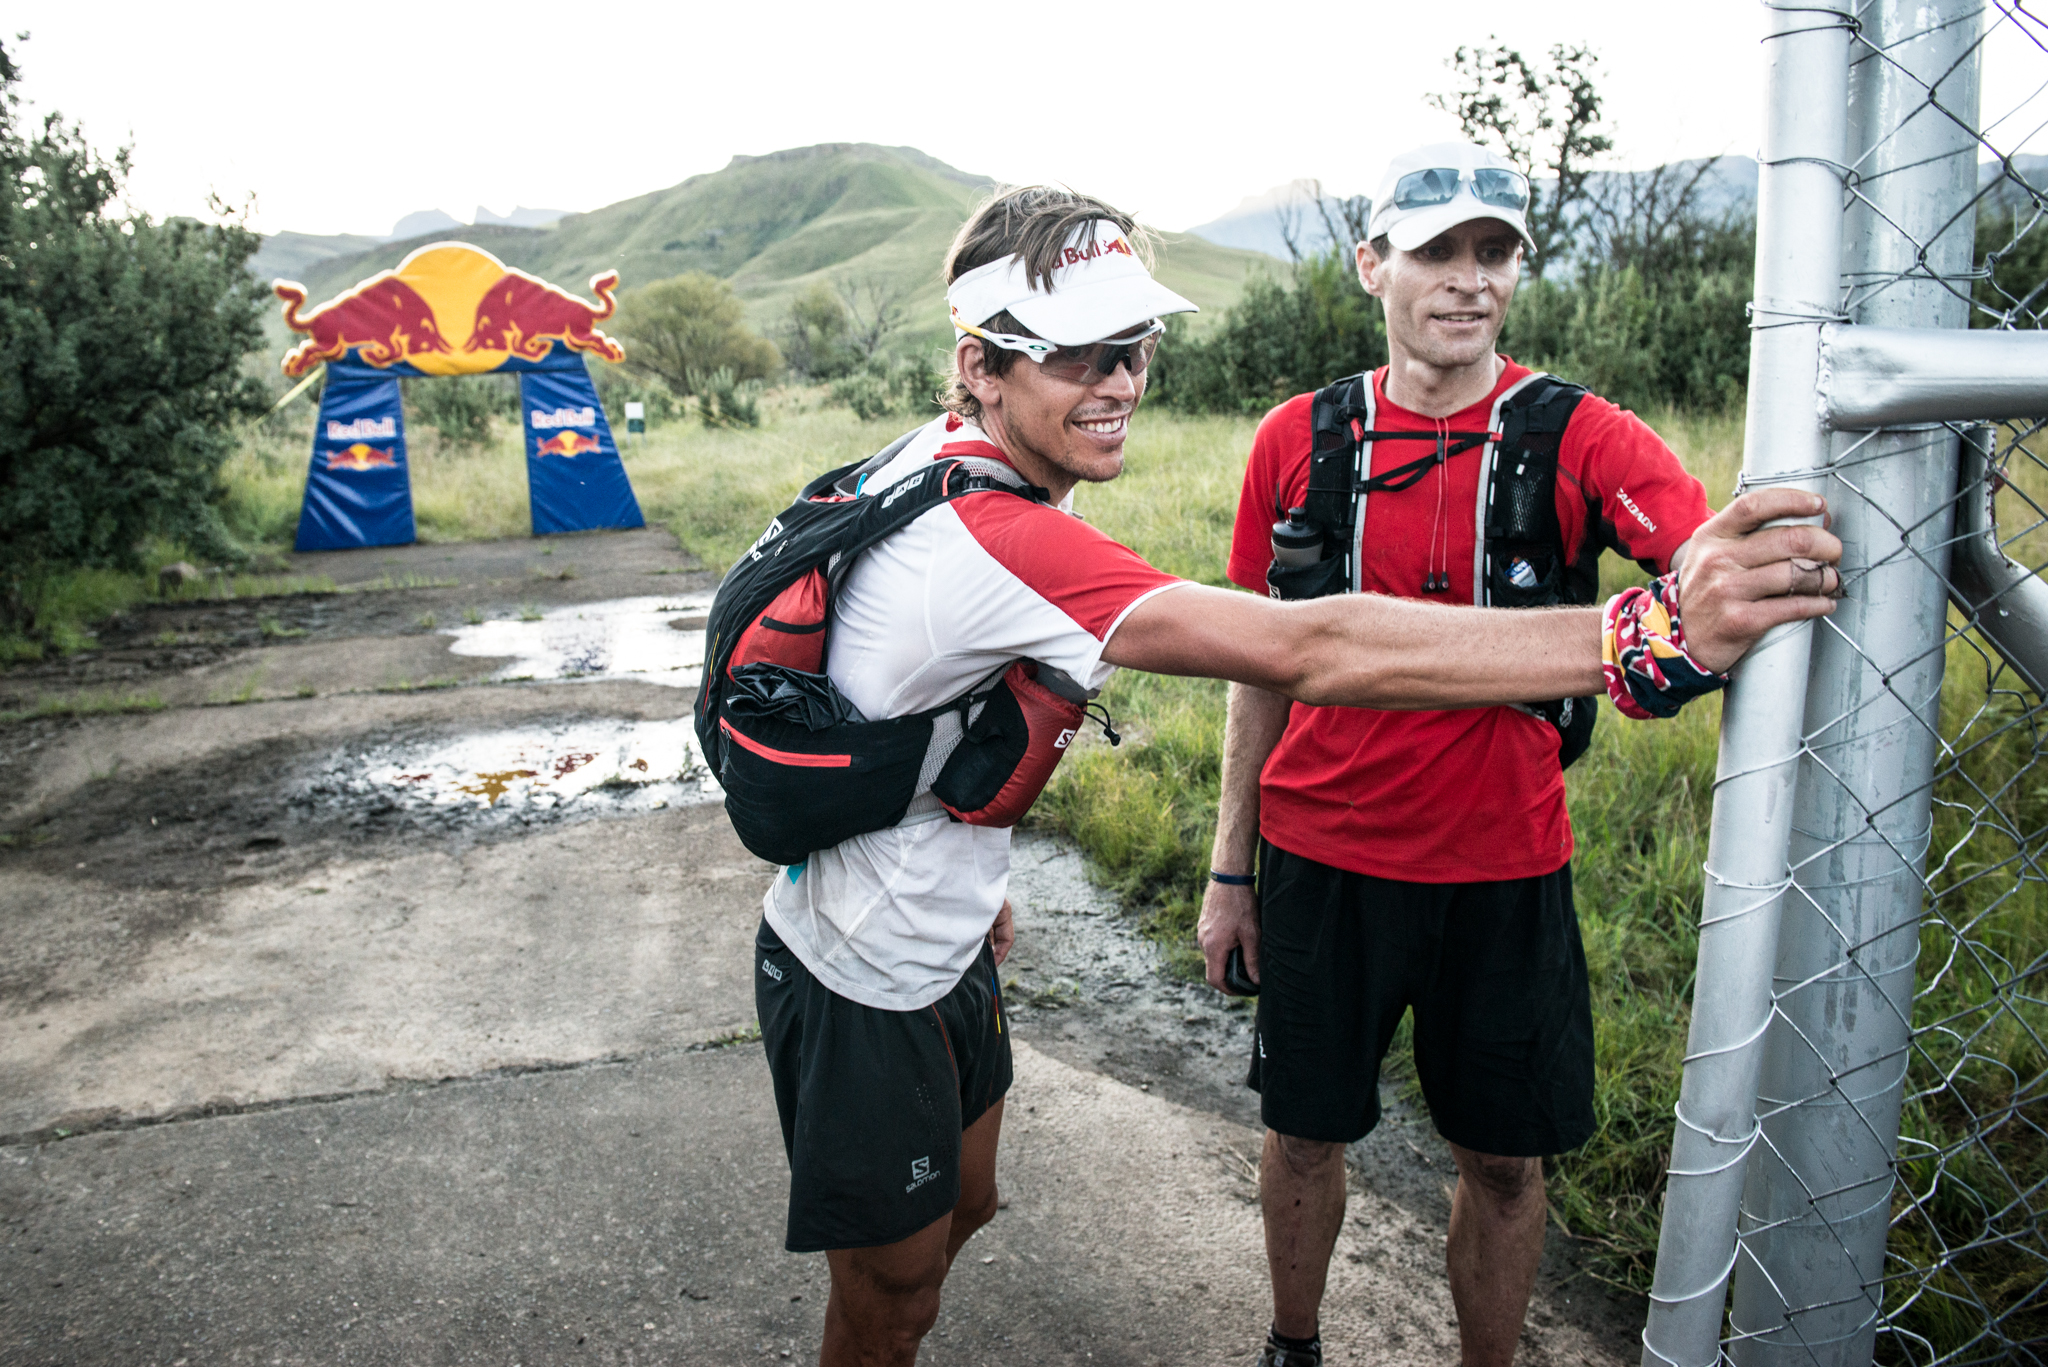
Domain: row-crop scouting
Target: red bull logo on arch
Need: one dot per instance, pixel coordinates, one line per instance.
(361, 456)
(566, 444)
(449, 309)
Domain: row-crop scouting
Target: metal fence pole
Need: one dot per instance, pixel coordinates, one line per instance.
(1817, 1205)
(1798, 264)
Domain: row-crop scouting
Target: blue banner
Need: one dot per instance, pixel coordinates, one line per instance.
(573, 471)
(357, 491)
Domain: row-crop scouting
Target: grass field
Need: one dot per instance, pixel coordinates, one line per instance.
(1640, 800)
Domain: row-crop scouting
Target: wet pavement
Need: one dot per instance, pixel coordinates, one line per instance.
(394, 1026)
(650, 640)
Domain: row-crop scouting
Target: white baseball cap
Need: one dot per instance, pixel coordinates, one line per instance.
(1100, 289)
(1435, 188)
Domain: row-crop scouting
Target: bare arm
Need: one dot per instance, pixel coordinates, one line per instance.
(1230, 915)
(1364, 650)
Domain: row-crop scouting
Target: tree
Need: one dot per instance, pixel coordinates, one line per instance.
(685, 328)
(815, 341)
(121, 349)
(1544, 119)
(1343, 219)
(1652, 220)
(874, 309)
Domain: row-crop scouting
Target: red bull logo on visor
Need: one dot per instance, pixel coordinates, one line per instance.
(565, 444)
(449, 309)
(361, 456)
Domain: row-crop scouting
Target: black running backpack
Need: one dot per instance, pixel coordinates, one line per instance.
(1523, 562)
(802, 769)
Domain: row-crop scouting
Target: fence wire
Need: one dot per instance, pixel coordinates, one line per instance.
(1895, 1204)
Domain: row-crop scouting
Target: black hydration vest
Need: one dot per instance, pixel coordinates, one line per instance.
(1520, 560)
(802, 769)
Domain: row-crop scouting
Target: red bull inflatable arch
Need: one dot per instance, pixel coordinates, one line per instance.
(453, 309)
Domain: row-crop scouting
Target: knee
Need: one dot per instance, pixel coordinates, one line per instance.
(901, 1310)
(974, 1211)
(915, 1314)
(1307, 1157)
(1500, 1181)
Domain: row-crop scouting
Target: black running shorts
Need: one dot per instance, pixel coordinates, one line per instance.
(873, 1101)
(1496, 975)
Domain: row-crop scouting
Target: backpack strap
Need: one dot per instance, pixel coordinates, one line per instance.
(1516, 504)
(1339, 459)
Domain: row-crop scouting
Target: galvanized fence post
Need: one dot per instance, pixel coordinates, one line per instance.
(1817, 1205)
(1799, 216)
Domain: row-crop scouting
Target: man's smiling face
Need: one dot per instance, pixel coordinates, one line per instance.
(1057, 432)
(1446, 300)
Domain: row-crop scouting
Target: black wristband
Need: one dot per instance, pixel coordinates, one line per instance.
(1234, 880)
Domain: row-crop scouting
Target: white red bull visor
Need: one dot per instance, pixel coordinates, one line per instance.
(1100, 289)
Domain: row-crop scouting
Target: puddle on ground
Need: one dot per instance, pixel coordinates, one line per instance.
(622, 765)
(653, 640)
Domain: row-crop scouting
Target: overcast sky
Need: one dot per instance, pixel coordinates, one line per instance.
(342, 118)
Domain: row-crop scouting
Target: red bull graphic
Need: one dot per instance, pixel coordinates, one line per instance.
(449, 309)
(453, 309)
(361, 456)
(383, 320)
(523, 316)
(567, 443)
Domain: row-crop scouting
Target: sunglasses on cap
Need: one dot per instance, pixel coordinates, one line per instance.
(1084, 364)
(1439, 185)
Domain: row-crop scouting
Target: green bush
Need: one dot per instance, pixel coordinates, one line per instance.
(121, 376)
(616, 388)
(691, 325)
(1640, 341)
(886, 387)
(1282, 337)
(2011, 292)
(460, 407)
(817, 338)
(725, 401)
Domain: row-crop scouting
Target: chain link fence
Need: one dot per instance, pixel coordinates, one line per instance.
(1862, 1141)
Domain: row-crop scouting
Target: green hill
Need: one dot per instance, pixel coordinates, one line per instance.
(772, 225)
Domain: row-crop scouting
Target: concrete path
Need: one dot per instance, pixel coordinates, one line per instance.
(296, 1069)
(631, 1213)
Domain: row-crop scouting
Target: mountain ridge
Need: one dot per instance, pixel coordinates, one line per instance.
(772, 225)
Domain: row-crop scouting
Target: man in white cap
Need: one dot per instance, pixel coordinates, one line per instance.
(876, 959)
(1421, 859)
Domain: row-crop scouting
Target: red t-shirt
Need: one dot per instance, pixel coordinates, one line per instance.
(1473, 795)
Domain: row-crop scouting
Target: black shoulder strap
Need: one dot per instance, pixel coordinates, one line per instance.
(1338, 418)
(909, 498)
(1522, 494)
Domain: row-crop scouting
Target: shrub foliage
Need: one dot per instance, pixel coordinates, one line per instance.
(121, 349)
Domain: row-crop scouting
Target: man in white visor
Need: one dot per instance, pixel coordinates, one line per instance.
(876, 960)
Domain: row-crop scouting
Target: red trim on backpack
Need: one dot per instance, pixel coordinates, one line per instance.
(790, 631)
(789, 757)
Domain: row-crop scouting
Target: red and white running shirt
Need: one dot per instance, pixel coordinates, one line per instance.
(1474, 795)
(892, 918)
